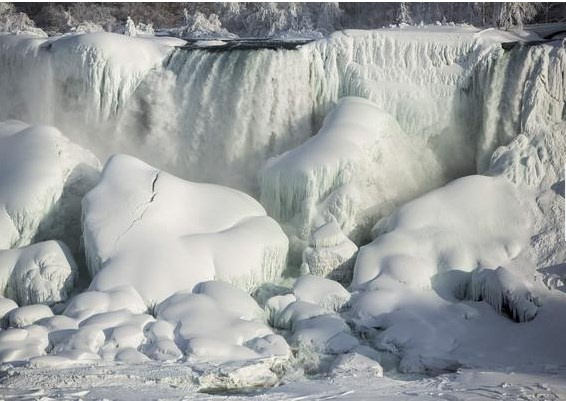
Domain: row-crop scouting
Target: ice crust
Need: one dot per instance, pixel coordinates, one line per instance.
(146, 228)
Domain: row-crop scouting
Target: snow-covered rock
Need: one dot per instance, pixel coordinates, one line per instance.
(355, 364)
(146, 228)
(43, 273)
(320, 291)
(312, 329)
(28, 315)
(473, 221)
(89, 303)
(6, 306)
(207, 328)
(352, 171)
(21, 344)
(329, 254)
(43, 177)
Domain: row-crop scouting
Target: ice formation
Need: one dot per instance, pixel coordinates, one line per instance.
(359, 155)
(507, 293)
(234, 110)
(43, 177)
(146, 228)
(329, 253)
(406, 111)
(43, 273)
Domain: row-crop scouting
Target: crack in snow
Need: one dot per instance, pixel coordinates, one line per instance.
(145, 205)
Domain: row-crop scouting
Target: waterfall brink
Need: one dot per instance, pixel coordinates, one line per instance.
(218, 116)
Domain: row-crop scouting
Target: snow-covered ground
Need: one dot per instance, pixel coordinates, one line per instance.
(372, 215)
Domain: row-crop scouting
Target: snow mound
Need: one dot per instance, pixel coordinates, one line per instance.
(320, 291)
(475, 221)
(43, 177)
(6, 306)
(355, 169)
(208, 329)
(312, 329)
(28, 315)
(43, 273)
(89, 303)
(160, 234)
(355, 364)
(18, 345)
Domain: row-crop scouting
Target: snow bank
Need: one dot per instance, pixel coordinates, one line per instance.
(473, 221)
(43, 273)
(358, 164)
(160, 234)
(43, 178)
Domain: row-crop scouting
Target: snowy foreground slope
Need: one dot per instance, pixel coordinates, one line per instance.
(407, 242)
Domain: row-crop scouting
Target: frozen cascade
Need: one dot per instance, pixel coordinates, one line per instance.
(147, 98)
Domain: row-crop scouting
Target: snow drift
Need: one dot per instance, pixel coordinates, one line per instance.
(146, 228)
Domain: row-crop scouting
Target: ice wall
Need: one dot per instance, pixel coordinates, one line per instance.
(217, 116)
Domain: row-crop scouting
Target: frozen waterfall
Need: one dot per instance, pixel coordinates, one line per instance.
(216, 116)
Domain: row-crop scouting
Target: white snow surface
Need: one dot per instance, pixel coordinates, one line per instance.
(43, 273)
(43, 177)
(160, 234)
(475, 221)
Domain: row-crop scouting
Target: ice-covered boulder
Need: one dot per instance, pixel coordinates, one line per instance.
(320, 291)
(473, 221)
(312, 328)
(329, 253)
(21, 344)
(146, 228)
(355, 364)
(6, 306)
(43, 273)
(89, 303)
(28, 315)
(356, 168)
(43, 177)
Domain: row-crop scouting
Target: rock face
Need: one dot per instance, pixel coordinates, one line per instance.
(43, 273)
(161, 234)
(43, 177)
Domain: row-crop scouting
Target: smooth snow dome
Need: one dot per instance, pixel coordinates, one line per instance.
(43, 177)
(43, 273)
(355, 169)
(146, 228)
(472, 222)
